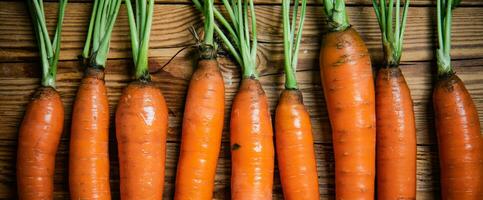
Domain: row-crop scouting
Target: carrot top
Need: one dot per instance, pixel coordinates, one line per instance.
(208, 48)
(237, 41)
(392, 35)
(104, 14)
(444, 17)
(337, 15)
(49, 51)
(140, 29)
(291, 42)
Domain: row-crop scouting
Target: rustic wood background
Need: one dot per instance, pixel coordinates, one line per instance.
(20, 72)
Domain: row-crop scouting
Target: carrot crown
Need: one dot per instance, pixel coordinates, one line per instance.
(337, 15)
(140, 29)
(237, 40)
(291, 42)
(208, 47)
(444, 15)
(96, 48)
(49, 51)
(392, 35)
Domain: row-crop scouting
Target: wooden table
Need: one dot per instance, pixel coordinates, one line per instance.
(20, 72)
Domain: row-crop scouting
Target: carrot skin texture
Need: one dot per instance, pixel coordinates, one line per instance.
(202, 130)
(39, 137)
(295, 150)
(348, 84)
(396, 136)
(88, 151)
(459, 140)
(251, 139)
(141, 129)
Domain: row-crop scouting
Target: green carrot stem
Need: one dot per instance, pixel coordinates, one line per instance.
(337, 15)
(103, 17)
(140, 30)
(444, 10)
(49, 52)
(392, 36)
(101, 56)
(86, 51)
(292, 41)
(132, 30)
(209, 23)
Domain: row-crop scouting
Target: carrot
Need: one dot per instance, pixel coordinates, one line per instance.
(141, 128)
(346, 75)
(42, 125)
(39, 137)
(251, 135)
(89, 139)
(457, 122)
(295, 151)
(396, 128)
(88, 150)
(141, 118)
(251, 140)
(201, 137)
(202, 122)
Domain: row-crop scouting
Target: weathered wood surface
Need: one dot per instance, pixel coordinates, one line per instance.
(20, 72)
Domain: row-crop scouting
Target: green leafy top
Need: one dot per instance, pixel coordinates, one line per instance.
(49, 51)
(392, 35)
(96, 48)
(444, 17)
(291, 42)
(140, 29)
(338, 19)
(237, 40)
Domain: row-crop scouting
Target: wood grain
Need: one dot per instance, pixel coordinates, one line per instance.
(171, 23)
(20, 72)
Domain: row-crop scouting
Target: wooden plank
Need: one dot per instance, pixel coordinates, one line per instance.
(19, 80)
(427, 180)
(172, 21)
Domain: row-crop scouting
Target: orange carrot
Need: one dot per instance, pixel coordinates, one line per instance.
(141, 118)
(39, 137)
(141, 129)
(457, 123)
(346, 75)
(396, 136)
(89, 139)
(201, 138)
(42, 125)
(295, 150)
(459, 140)
(202, 121)
(88, 151)
(251, 139)
(396, 128)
